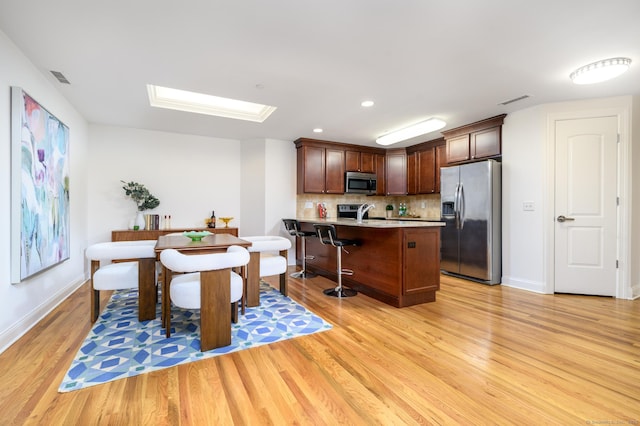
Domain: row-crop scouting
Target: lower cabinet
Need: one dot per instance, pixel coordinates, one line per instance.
(398, 266)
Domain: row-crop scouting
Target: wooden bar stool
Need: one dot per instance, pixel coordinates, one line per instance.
(328, 236)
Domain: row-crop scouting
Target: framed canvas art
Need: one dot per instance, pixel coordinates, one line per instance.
(39, 188)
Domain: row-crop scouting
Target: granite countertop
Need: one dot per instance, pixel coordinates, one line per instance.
(374, 223)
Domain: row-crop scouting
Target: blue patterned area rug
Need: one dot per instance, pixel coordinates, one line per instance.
(120, 346)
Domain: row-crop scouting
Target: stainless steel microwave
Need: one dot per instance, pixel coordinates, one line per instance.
(360, 183)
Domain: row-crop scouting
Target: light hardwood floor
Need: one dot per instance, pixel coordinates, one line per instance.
(478, 355)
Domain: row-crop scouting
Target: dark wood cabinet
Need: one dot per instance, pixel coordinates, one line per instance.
(320, 170)
(359, 161)
(334, 171)
(396, 172)
(423, 167)
(441, 161)
(476, 141)
(458, 149)
(412, 174)
(321, 165)
(381, 174)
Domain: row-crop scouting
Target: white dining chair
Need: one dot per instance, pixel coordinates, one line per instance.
(119, 265)
(209, 284)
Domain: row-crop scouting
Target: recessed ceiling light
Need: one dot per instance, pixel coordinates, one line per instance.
(317, 130)
(182, 100)
(367, 104)
(600, 71)
(424, 127)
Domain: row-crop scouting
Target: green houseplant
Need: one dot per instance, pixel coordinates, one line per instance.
(140, 195)
(389, 209)
(143, 198)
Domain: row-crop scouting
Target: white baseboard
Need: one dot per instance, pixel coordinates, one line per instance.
(9, 336)
(534, 286)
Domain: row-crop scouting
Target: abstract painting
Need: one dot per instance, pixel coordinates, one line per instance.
(39, 188)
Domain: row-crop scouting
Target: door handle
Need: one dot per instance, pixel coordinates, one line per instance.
(564, 219)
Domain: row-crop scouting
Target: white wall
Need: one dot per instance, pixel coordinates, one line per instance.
(22, 305)
(268, 187)
(523, 177)
(527, 258)
(190, 175)
(634, 257)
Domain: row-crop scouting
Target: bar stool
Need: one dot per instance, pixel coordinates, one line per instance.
(328, 235)
(293, 227)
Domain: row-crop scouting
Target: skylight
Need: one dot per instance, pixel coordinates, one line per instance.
(182, 100)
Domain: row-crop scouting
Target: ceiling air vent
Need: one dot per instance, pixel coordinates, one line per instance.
(510, 101)
(60, 77)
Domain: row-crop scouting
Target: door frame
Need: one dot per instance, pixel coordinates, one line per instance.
(623, 234)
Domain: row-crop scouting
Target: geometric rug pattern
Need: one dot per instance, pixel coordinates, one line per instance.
(120, 346)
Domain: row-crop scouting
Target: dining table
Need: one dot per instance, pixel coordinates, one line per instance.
(213, 243)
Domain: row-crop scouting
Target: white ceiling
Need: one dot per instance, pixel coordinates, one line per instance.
(317, 60)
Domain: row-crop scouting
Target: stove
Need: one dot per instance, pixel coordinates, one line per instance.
(350, 211)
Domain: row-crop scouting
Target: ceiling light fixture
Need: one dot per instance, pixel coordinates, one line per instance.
(424, 127)
(317, 130)
(182, 100)
(366, 104)
(600, 71)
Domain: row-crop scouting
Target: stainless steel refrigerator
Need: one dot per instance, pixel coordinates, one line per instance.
(471, 209)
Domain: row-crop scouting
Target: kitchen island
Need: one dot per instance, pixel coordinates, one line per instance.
(398, 262)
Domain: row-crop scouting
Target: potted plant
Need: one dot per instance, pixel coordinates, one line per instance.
(142, 197)
(389, 210)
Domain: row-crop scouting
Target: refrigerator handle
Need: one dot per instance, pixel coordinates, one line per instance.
(456, 205)
(461, 206)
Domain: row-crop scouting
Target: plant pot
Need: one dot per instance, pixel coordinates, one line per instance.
(389, 214)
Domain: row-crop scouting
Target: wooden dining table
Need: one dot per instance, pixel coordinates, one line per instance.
(214, 243)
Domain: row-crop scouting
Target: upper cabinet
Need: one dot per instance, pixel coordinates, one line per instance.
(322, 165)
(396, 172)
(359, 161)
(476, 141)
(423, 167)
(320, 169)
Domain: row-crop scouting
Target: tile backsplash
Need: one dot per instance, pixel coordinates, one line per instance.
(425, 206)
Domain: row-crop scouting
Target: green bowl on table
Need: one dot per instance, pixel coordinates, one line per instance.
(196, 235)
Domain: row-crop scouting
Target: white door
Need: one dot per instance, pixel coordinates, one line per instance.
(586, 206)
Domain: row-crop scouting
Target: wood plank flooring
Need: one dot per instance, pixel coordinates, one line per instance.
(478, 355)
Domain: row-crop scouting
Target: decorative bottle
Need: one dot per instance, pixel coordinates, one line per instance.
(212, 224)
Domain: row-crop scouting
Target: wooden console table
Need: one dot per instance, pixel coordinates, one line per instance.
(131, 235)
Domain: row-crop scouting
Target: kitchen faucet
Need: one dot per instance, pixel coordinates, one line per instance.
(362, 210)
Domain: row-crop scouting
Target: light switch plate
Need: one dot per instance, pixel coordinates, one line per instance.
(528, 206)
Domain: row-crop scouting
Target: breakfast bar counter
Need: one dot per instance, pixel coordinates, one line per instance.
(398, 261)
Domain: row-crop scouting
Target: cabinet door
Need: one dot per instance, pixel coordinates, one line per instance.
(312, 173)
(412, 173)
(352, 161)
(441, 160)
(426, 167)
(334, 169)
(396, 170)
(458, 149)
(485, 143)
(367, 162)
(381, 188)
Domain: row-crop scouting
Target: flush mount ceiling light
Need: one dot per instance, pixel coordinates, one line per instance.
(182, 100)
(317, 130)
(427, 126)
(600, 71)
(366, 104)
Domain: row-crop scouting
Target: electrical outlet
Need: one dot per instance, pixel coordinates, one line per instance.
(423, 205)
(528, 206)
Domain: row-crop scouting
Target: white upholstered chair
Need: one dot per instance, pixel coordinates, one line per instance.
(273, 253)
(209, 284)
(135, 268)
